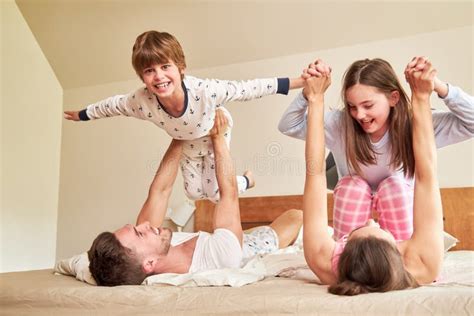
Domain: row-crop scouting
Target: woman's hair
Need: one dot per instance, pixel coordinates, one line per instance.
(379, 74)
(155, 47)
(371, 264)
(112, 264)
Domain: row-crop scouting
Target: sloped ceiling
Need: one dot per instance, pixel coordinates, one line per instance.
(89, 42)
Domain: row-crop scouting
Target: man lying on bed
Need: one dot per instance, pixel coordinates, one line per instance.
(132, 253)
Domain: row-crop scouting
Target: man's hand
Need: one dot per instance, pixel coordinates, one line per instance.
(72, 115)
(220, 125)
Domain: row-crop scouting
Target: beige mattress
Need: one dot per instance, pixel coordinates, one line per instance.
(41, 292)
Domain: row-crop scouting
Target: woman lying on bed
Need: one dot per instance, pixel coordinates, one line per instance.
(369, 259)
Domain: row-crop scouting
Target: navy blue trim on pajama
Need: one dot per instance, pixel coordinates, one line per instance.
(185, 101)
(83, 115)
(283, 85)
(248, 182)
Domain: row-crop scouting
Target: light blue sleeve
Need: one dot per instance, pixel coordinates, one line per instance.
(293, 122)
(456, 125)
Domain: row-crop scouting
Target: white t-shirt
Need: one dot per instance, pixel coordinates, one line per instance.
(219, 250)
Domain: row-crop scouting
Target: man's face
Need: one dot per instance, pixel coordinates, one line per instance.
(145, 241)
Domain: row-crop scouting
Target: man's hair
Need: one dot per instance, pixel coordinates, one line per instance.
(155, 47)
(371, 264)
(379, 74)
(112, 264)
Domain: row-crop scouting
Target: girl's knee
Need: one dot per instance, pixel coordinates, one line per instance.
(394, 185)
(349, 182)
(393, 181)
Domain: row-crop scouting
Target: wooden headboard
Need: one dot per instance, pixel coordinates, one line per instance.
(458, 211)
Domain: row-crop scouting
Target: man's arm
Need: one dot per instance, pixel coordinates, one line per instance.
(154, 209)
(227, 211)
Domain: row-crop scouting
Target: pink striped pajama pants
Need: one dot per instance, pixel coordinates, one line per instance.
(392, 202)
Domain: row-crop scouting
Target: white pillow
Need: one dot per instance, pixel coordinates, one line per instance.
(449, 241)
(77, 266)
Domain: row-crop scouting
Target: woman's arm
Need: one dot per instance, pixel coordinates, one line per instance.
(318, 245)
(427, 240)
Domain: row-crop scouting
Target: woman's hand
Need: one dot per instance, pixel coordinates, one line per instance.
(315, 87)
(420, 75)
(316, 69)
(317, 79)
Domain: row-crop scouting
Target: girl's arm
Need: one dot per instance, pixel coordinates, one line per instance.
(293, 123)
(457, 124)
(318, 245)
(426, 244)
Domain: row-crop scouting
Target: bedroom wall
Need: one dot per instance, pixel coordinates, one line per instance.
(31, 102)
(107, 165)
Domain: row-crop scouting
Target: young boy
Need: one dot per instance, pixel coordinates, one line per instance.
(183, 106)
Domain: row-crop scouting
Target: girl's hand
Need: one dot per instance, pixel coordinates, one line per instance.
(316, 69)
(421, 81)
(418, 63)
(440, 87)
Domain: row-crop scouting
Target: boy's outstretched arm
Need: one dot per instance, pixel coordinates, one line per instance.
(227, 212)
(154, 209)
(296, 83)
(135, 103)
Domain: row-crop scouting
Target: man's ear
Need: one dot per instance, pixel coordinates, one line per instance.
(148, 265)
(394, 97)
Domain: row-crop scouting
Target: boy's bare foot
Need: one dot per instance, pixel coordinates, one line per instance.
(249, 175)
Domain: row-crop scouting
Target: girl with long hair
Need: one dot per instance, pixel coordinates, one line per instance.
(372, 145)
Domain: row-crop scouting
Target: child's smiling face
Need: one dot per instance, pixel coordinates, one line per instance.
(370, 108)
(163, 80)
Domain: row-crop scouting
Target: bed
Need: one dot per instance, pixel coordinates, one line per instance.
(41, 292)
